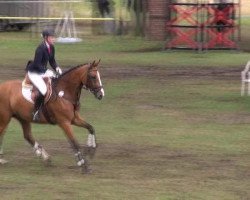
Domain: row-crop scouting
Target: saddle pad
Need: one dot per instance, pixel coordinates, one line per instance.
(26, 91)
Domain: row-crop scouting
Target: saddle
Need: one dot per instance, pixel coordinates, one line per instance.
(31, 93)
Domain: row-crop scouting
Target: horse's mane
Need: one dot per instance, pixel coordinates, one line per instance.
(55, 80)
(71, 69)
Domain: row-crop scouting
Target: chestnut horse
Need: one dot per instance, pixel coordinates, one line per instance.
(62, 108)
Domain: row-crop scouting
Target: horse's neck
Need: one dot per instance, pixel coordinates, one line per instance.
(71, 84)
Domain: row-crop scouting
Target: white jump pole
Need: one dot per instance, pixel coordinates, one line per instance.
(68, 28)
(245, 80)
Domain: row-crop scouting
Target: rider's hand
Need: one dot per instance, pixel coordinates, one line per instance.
(59, 70)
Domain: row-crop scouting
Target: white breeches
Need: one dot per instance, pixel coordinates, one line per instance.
(37, 80)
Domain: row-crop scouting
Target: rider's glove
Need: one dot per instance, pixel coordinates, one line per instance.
(58, 70)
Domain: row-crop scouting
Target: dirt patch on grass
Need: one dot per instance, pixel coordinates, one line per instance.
(153, 72)
(166, 73)
(176, 169)
(11, 73)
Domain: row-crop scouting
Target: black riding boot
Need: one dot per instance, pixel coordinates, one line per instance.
(38, 104)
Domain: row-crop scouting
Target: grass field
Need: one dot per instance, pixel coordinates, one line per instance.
(171, 126)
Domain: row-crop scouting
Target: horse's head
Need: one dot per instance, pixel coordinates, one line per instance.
(94, 83)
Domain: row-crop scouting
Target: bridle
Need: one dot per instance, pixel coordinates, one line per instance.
(82, 86)
(94, 90)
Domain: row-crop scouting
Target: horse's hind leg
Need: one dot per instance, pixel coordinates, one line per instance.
(1, 145)
(2, 160)
(39, 150)
(3, 125)
(4, 121)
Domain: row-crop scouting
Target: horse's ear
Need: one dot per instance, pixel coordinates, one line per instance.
(98, 62)
(92, 64)
(95, 64)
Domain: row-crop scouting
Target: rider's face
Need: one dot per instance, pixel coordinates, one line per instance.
(51, 39)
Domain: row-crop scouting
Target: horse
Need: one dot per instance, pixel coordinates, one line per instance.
(63, 108)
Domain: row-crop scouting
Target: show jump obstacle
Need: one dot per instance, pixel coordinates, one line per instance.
(33, 12)
(22, 12)
(66, 29)
(245, 80)
(202, 25)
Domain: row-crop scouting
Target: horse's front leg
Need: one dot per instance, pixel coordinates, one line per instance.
(81, 162)
(79, 121)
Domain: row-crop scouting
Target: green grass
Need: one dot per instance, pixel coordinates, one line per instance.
(162, 134)
(117, 51)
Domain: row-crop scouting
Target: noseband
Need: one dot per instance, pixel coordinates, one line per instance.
(96, 90)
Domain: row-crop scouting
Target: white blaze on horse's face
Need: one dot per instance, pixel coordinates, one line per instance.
(94, 83)
(102, 94)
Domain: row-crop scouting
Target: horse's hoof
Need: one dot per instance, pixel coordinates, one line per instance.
(48, 162)
(92, 152)
(86, 170)
(89, 151)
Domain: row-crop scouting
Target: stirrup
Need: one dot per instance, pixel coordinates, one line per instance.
(36, 116)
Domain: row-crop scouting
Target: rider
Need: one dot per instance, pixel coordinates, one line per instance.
(45, 53)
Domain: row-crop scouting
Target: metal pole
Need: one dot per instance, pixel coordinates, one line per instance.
(198, 40)
(205, 25)
(239, 21)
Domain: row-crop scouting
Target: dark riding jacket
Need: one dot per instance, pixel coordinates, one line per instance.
(42, 57)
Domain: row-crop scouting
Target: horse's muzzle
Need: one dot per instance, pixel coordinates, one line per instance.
(100, 94)
(99, 97)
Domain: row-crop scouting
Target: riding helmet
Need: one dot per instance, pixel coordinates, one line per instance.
(47, 32)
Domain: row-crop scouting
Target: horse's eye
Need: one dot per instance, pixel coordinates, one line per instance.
(93, 77)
